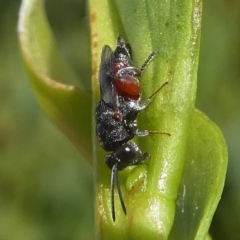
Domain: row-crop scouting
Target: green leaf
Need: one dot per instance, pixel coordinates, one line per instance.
(151, 191)
(175, 193)
(202, 181)
(67, 106)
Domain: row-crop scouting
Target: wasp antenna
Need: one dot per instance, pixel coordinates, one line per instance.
(120, 193)
(114, 168)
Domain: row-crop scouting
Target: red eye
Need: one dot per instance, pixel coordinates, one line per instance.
(128, 87)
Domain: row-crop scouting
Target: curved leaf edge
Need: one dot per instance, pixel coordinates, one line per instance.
(57, 99)
(203, 179)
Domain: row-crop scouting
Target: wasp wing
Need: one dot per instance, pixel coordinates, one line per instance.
(107, 83)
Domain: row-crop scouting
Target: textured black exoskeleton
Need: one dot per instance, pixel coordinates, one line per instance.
(116, 112)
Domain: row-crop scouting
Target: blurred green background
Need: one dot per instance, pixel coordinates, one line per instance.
(46, 189)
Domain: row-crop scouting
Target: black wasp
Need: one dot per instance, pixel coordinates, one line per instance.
(116, 113)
